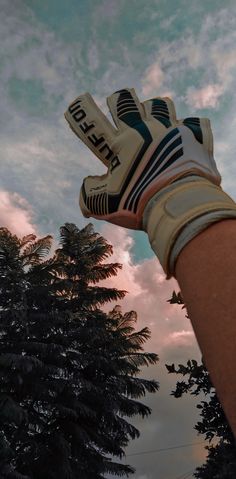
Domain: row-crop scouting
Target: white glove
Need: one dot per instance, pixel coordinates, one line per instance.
(162, 177)
(148, 150)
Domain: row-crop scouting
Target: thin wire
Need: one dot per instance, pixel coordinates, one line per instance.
(184, 476)
(165, 449)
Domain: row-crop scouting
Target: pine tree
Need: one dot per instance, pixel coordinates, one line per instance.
(221, 459)
(68, 370)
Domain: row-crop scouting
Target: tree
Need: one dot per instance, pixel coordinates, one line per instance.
(221, 459)
(68, 370)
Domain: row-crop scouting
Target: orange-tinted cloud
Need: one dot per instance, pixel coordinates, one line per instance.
(206, 97)
(148, 292)
(16, 214)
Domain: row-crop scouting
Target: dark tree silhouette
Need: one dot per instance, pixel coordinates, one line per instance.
(68, 370)
(221, 459)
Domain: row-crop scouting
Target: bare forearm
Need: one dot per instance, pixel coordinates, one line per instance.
(206, 273)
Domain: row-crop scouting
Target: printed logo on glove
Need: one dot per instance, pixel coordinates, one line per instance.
(148, 150)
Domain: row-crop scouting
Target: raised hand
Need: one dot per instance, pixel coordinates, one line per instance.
(148, 150)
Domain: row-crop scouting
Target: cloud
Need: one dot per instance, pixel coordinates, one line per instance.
(122, 243)
(167, 22)
(41, 159)
(153, 79)
(223, 56)
(206, 97)
(181, 338)
(93, 55)
(211, 61)
(148, 292)
(108, 10)
(16, 214)
(33, 52)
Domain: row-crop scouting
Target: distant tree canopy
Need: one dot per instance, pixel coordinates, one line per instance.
(221, 460)
(68, 370)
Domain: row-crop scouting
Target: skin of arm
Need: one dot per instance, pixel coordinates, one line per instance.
(206, 272)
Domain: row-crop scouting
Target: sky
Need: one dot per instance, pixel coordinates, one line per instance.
(53, 51)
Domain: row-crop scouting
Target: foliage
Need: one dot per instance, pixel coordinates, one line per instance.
(68, 370)
(221, 459)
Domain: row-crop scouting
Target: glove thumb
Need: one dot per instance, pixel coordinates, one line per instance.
(93, 199)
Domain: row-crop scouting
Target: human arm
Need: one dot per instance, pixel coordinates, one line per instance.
(162, 178)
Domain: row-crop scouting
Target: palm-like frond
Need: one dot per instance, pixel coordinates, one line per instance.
(140, 337)
(101, 272)
(44, 267)
(84, 242)
(132, 407)
(118, 469)
(134, 387)
(140, 359)
(127, 320)
(34, 252)
(9, 250)
(27, 239)
(25, 364)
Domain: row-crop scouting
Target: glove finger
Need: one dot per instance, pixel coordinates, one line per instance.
(93, 196)
(92, 127)
(162, 109)
(201, 128)
(125, 108)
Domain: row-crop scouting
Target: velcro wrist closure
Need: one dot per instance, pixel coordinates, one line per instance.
(177, 209)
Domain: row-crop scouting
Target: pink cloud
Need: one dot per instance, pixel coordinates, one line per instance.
(181, 337)
(16, 214)
(206, 97)
(153, 79)
(148, 292)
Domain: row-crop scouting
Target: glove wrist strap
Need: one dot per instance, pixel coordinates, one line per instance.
(180, 213)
